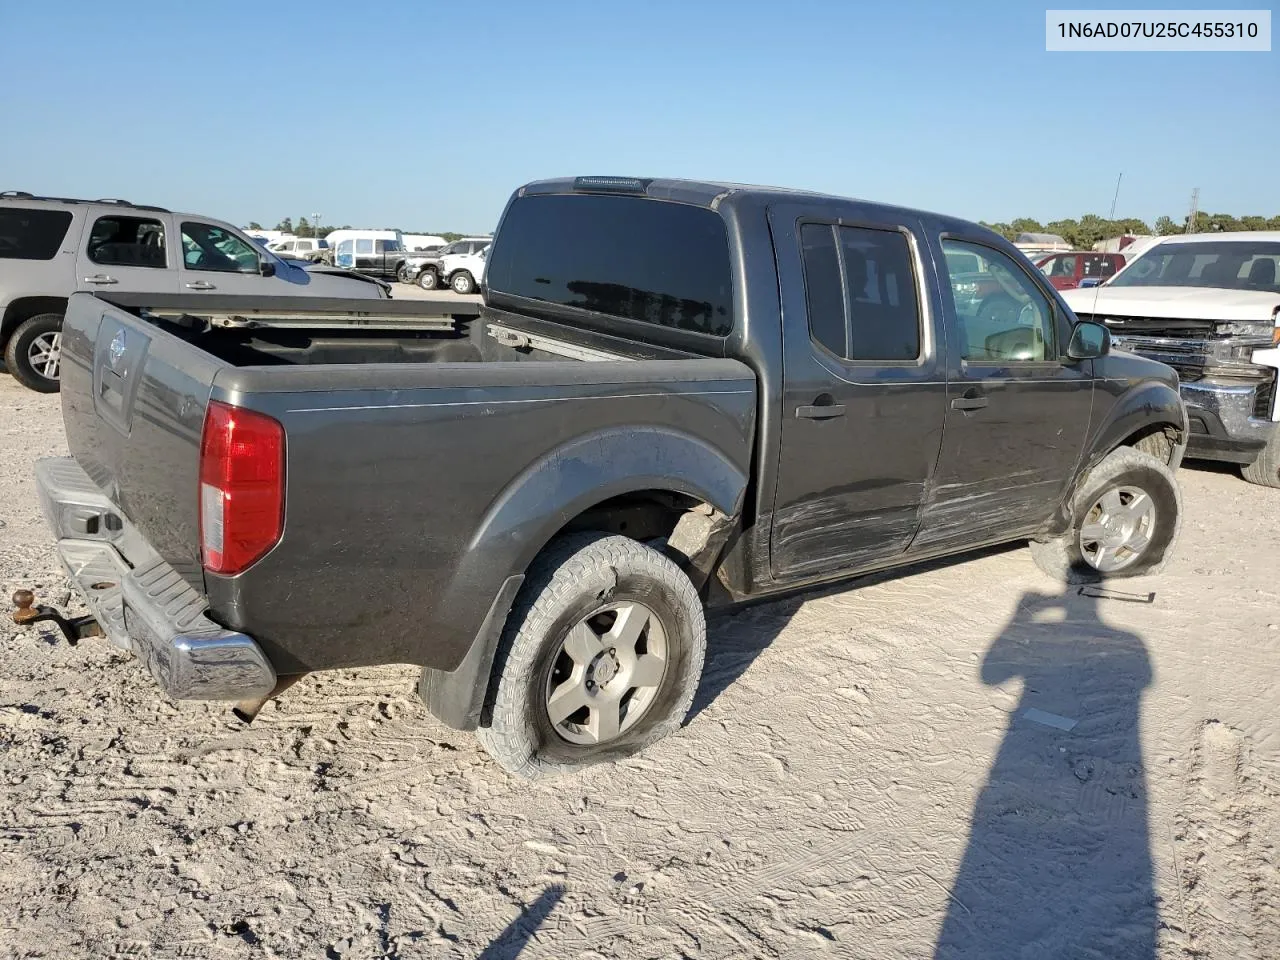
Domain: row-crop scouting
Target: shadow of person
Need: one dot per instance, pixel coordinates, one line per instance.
(1058, 863)
(511, 941)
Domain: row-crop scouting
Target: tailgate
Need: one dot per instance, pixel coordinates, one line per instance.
(133, 402)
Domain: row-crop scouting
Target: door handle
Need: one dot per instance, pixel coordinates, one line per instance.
(820, 411)
(100, 278)
(971, 399)
(200, 285)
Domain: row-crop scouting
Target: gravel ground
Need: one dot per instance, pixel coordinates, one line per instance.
(879, 772)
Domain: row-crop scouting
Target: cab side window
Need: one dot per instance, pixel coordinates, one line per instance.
(1003, 316)
(861, 290)
(127, 242)
(209, 247)
(364, 247)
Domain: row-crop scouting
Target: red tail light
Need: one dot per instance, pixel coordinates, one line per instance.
(241, 487)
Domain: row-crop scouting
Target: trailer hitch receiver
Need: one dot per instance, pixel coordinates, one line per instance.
(27, 612)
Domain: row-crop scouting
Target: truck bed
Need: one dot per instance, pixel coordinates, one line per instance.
(418, 460)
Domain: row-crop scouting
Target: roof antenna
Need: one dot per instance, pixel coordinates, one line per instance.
(1097, 287)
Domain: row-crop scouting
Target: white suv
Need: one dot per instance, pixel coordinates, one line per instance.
(300, 248)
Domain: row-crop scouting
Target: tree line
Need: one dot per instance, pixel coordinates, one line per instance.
(304, 228)
(1082, 234)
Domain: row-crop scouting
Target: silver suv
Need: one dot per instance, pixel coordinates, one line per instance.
(51, 247)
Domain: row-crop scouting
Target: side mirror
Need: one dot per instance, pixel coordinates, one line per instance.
(1089, 340)
(267, 268)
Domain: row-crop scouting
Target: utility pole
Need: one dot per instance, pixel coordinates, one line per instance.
(1195, 209)
(315, 224)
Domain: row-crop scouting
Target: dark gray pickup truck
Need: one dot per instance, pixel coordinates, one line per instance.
(677, 396)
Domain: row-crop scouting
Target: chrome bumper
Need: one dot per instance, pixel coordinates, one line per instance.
(1230, 405)
(143, 604)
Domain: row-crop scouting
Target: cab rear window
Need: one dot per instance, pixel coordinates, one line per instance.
(27, 234)
(633, 258)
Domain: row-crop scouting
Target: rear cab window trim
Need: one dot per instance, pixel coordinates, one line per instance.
(924, 314)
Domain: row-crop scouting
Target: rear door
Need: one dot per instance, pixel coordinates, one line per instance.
(217, 261)
(863, 390)
(1018, 409)
(127, 252)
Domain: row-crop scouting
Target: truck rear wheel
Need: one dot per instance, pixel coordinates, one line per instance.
(1265, 471)
(427, 279)
(34, 352)
(1125, 519)
(601, 656)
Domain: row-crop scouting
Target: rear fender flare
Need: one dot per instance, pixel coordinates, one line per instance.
(536, 506)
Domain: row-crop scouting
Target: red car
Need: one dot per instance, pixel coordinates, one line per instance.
(1066, 271)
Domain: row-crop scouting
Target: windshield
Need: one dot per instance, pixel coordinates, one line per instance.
(1222, 264)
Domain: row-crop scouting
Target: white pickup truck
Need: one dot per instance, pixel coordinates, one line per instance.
(463, 272)
(1208, 305)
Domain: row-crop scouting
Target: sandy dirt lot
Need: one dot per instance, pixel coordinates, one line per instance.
(961, 761)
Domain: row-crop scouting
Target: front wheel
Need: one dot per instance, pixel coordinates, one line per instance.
(34, 353)
(601, 656)
(402, 274)
(1265, 471)
(427, 279)
(1125, 519)
(462, 282)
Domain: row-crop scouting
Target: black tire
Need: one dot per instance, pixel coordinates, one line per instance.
(1265, 471)
(1063, 558)
(17, 353)
(428, 279)
(573, 577)
(462, 283)
(402, 274)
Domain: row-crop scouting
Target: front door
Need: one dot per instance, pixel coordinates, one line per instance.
(128, 254)
(217, 261)
(863, 391)
(1017, 412)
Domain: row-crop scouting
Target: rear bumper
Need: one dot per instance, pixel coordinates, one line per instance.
(143, 604)
(1222, 421)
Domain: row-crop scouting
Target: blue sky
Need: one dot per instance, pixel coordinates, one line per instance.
(427, 114)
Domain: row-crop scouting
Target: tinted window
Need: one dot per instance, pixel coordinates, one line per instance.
(824, 292)
(653, 261)
(208, 247)
(1003, 316)
(862, 294)
(127, 242)
(884, 314)
(31, 234)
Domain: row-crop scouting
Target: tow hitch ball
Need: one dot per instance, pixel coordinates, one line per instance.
(74, 629)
